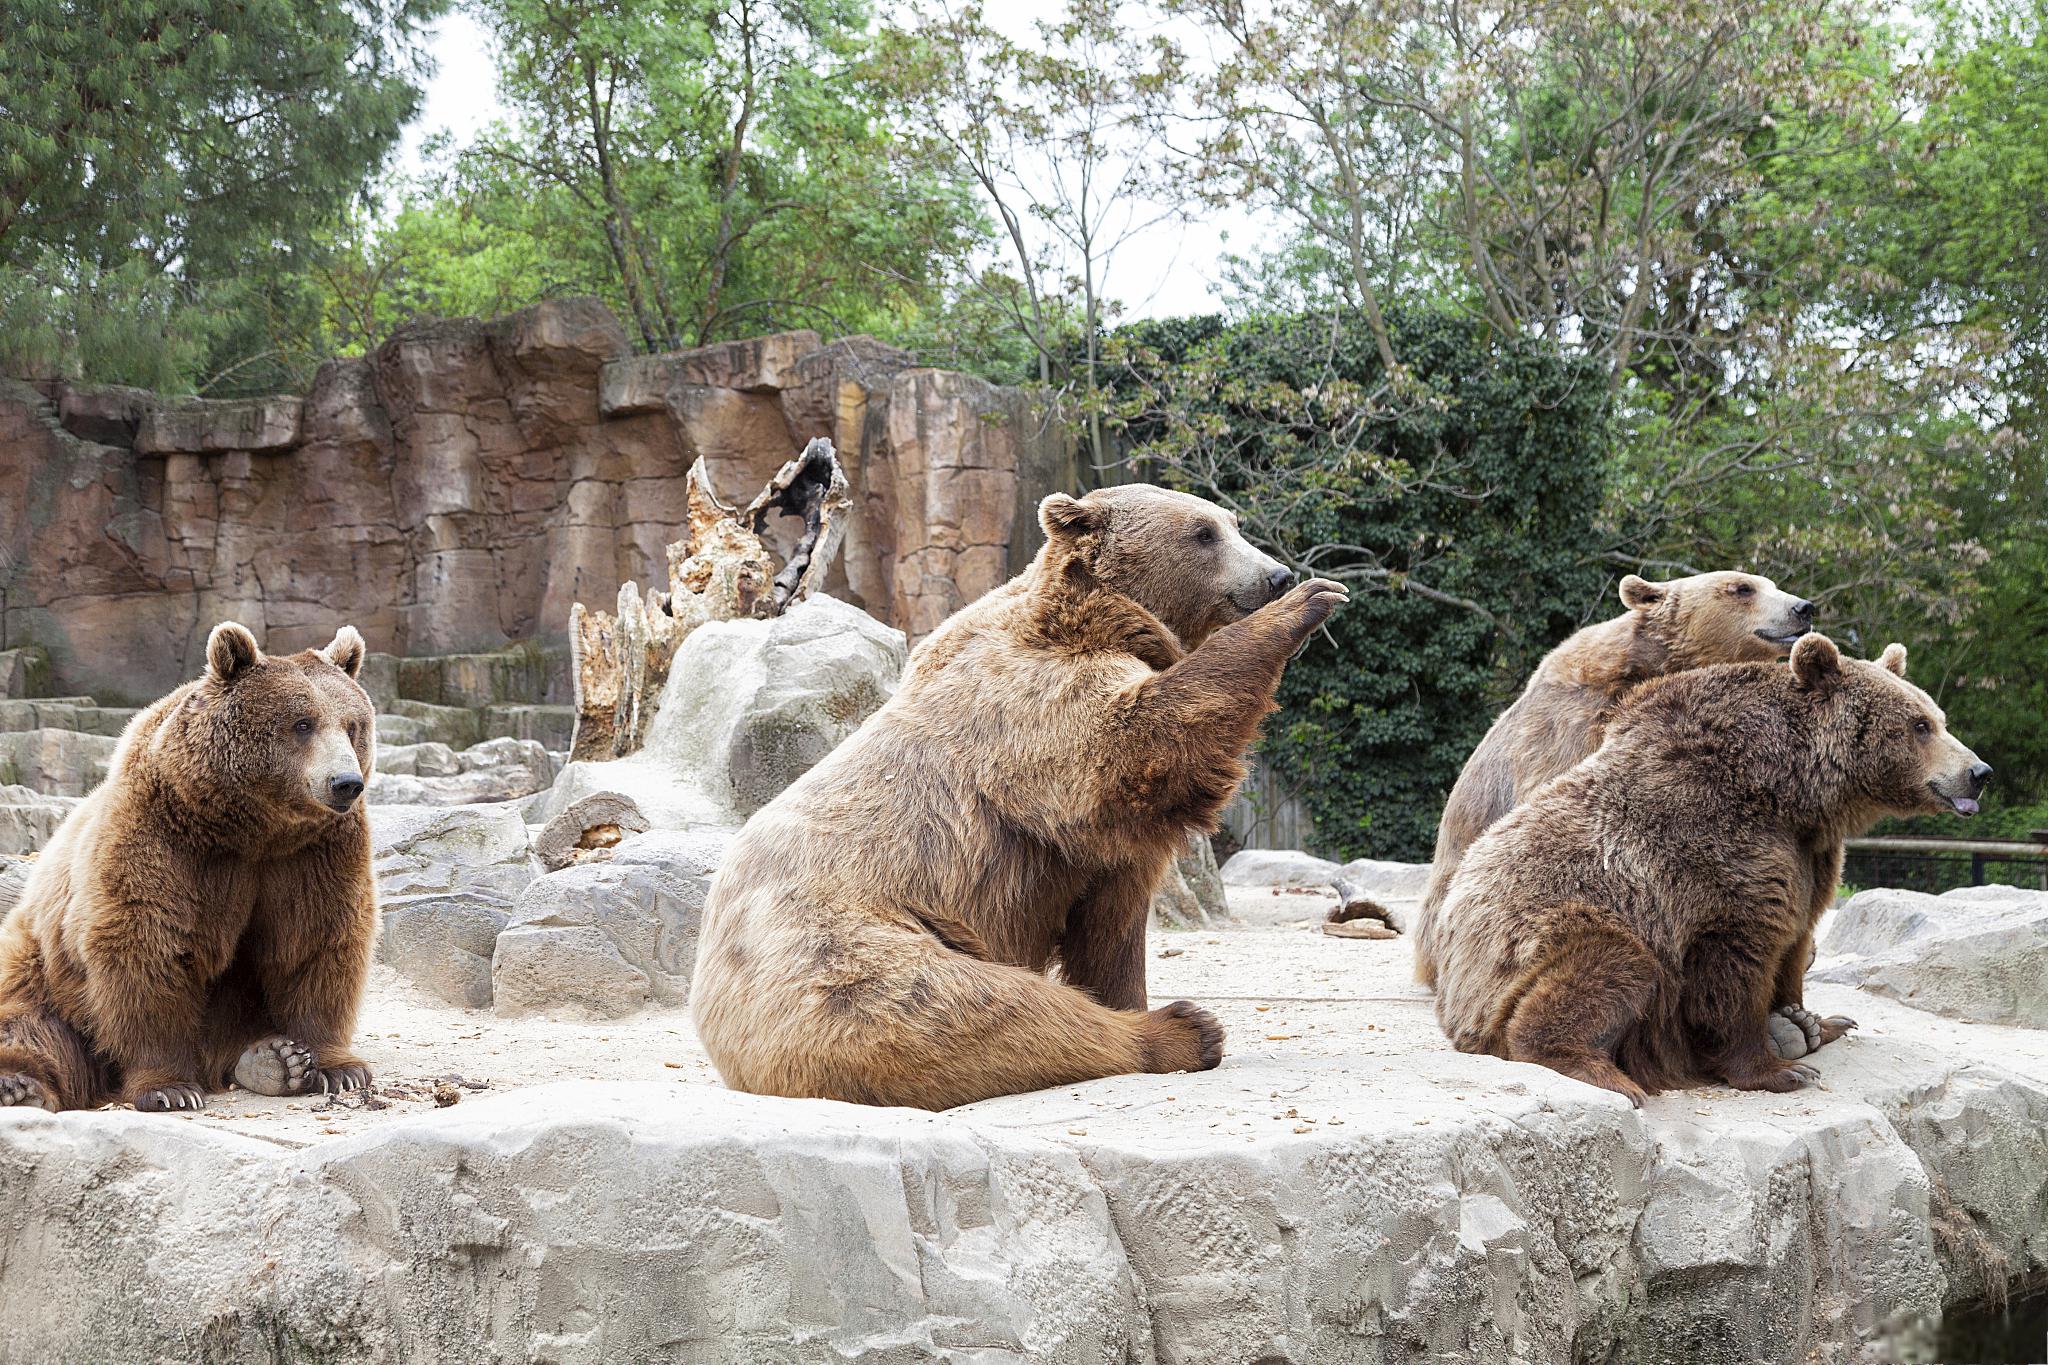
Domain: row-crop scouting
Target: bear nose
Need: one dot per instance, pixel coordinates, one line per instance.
(1803, 609)
(344, 790)
(1280, 580)
(1980, 773)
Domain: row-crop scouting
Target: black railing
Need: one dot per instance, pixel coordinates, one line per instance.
(1938, 865)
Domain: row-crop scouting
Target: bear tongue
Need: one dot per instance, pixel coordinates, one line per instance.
(1963, 804)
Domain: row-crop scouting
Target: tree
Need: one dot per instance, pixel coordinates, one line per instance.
(729, 162)
(1063, 136)
(155, 157)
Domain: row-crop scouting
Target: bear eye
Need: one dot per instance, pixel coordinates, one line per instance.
(1744, 590)
(303, 727)
(1205, 535)
(1922, 728)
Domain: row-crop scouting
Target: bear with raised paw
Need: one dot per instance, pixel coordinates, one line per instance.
(206, 914)
(1638, 920)
(881, 932)
(1669, 627)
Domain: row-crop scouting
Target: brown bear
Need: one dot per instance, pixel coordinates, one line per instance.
(207, 912)
(1710, 618)
(1634, 924)
(881, 931)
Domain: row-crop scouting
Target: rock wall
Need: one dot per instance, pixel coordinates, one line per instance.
(455, 490)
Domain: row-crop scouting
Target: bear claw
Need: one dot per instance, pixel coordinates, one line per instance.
(25, 1092)
(182, 1095)
(335, 1079)
(276, 1065)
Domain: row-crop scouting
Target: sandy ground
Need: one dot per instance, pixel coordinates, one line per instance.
(1322, 1031)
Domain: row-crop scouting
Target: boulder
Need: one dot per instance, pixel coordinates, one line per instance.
(420, 850)
(647, 903)
(55, 762)
(589, 829)
(442, 942)
(458, 727)
(537, 967)
(28, 819)
(1387, 881)
(748, 707)
(1190, 895)
(1277, 867)
(1979, 953)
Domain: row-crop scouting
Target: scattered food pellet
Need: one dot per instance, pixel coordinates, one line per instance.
(446, 1094)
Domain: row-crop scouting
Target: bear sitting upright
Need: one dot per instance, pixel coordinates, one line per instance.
(880, 931)
(1710, 618)
(207, 912)
(1636, 922)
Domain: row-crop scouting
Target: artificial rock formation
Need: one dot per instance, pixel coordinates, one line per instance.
(457, 489)
(722, 570)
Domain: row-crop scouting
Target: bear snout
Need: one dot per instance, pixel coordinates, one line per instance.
(1980, 776)
(343, 789)
(1278, 581)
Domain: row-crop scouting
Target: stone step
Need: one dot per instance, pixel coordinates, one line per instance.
(64, 713)
(553, 726)
(28, 819)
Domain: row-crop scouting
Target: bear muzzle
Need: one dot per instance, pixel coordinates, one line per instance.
(1961, 790)
(342, 790)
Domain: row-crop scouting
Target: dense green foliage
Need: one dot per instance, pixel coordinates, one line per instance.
(164, 166)
(1468, 499)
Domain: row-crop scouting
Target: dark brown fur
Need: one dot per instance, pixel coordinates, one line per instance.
(207, 906)
(1669, 627)
(881, 932)
(1637, 920)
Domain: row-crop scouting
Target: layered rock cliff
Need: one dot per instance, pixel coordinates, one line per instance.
(457, 489)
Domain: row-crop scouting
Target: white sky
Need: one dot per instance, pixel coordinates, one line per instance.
(1171, 268)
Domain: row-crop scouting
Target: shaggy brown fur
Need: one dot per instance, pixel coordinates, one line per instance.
(880, 932)
(207, 912)
(1713, 618)
(1636, 922)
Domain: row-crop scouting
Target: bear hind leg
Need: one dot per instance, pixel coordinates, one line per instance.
(1588, 998)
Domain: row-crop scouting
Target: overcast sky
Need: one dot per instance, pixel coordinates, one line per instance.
(1171, 268)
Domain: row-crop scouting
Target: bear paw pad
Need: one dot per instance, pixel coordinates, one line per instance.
(276, 1066)
(24, 1091)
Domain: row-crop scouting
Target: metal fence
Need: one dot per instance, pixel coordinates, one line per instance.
(1944, 864)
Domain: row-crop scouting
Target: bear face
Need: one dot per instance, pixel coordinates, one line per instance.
(294, 735)
(1888, 735)
(1724, 617)
(1178, 556)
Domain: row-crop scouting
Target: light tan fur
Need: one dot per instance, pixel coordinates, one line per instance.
(881, 932)
(1683, 623)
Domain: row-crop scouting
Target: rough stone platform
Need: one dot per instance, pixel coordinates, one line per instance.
(1344, 1188)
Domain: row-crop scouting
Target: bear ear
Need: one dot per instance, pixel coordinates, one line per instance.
(230, 650)
(345, 651)
(1639, 594)
(1893, 659)
(1815, 660)
(1065, 518)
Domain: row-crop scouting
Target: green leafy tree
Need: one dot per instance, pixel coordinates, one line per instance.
(728, 167)
(160, 162)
